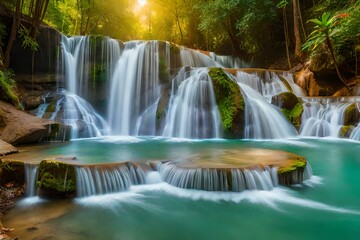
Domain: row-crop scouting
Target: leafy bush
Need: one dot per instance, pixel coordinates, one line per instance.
(7, 88)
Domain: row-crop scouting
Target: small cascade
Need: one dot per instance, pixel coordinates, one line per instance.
(268, 85)
(70, 109)
(192, 111)
(30, 179)
(324, 117)
(193, 58)
(135, 90)
(211, 179)
(296, 89)
(355, 134)
(262, 119)
(229, 61)
(111, 178)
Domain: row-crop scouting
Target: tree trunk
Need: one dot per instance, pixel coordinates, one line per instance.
(329, 44)
(286, 32)
(298, 53)
(14, 28)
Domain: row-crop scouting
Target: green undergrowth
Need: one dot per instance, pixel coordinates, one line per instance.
(7, 88)
(228, 97)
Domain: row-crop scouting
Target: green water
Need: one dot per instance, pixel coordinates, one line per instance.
(326, 207)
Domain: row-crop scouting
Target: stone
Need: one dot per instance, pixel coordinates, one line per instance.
(6, 148)
(19, 127)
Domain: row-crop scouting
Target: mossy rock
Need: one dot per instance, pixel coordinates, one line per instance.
(230, 102)
(345, 131)
(161, 109)
(56, 179)
(12, 171)
(292, 172)
(286, 100)
(294, 115)
(352, 115)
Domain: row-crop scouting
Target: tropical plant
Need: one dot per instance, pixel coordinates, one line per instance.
(324, 31)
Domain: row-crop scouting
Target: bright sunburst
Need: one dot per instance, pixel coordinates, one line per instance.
(142, 2)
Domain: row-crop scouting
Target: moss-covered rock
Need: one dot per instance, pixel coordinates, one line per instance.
(12, 171)
(292, 172)
(286, 100)
(352, 115)
(230, 102)
(290, 106)
(345, 131)
(56, 179)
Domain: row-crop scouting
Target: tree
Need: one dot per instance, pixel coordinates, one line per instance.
(298, 42)
(323, 33)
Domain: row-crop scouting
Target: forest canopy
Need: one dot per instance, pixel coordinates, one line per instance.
(247, 28)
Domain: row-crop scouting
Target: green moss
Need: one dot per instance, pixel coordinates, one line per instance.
(295, 164)
(345, 131)
(56, 178)
(228, 97)
(294, 115)
(7, 89)
(51, 107)
(163, 70)
(351, 115)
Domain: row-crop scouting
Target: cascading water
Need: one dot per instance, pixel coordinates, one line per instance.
(267, 86)
(192, 111)
(77, 112)
(229, 61)
(30, 179)
(324, 117)
(135, 90)
(95, 180)
(263, 120)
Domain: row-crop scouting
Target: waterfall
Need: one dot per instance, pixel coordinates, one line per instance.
(210, 179)
(267, 86)
(192, 111)
(110, 178)
(30, 179)
(193, 58)
(355, 134)
(79, 61)
(324, 117)
(262, 119)
(229, 61)
(135, 90)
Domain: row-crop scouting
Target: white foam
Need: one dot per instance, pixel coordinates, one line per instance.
(29, 201)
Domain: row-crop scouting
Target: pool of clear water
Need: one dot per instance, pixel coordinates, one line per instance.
(325, 207)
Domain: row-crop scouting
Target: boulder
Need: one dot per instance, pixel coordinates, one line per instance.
(6, 148)
(290, 106)
(56, 179)
(230, 102)
(18, 127)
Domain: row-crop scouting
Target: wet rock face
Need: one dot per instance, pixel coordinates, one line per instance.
(230, 102)
(6, 148)
(56, 179)
(290, 106)
(19, 127)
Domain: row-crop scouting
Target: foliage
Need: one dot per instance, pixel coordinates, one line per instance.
(7, 88)
(28, 41)
(56, 176)
(294, 115)
(228, 97)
